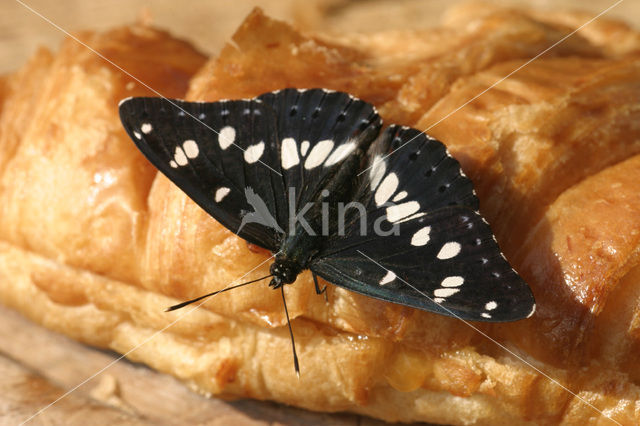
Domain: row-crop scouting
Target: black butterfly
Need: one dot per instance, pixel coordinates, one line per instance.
(281, 169)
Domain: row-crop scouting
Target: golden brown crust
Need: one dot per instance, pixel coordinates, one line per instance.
(89, 214)
(95, 243)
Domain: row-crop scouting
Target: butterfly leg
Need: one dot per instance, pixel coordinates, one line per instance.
(319, 290)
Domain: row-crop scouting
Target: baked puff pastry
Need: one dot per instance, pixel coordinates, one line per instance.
(95, 244)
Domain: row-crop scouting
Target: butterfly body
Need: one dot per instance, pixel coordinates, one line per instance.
(298, 247)
(304, 239)
(308, 175)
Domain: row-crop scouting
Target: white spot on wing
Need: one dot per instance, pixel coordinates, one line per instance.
(400, 196)
(179, 157)
(221, 193)
(388, 278)
(137, 135)
(190, 148)
(386, 189)
(491, 306)
(146, 128)
(395, 213)
(289, 153)
(173, 164)
(340, 153)
(449, 250)
(318, 154)
(376, 173)
(254, 152)
(304, 147)
(421, 237)
(226, 137)
(455, 281)
(485, 315)
(438, 300)
(445, 292)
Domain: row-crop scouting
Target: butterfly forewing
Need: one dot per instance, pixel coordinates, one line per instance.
(422, 230)
(214, 152)
(241, 160)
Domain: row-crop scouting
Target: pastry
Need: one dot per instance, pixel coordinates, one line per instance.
(95, 243)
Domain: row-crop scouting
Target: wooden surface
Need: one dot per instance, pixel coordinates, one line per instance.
(38, 366)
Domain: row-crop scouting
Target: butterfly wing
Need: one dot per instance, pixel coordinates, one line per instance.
(217, 153)
(318, 130)
(239, 160)
(423, 243)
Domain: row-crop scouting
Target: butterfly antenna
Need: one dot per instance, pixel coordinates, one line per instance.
(296, 365)
(188, 302)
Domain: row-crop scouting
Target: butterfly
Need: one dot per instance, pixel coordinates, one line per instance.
(310, 176)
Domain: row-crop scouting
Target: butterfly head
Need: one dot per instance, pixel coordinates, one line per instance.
(284, 272)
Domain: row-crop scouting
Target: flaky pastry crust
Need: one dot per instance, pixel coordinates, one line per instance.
(95, 244)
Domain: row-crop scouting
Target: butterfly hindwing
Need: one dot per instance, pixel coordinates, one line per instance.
(318, 130)
(430, 175)
(446, 262)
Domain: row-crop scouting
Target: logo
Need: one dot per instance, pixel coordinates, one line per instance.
(332, 216)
